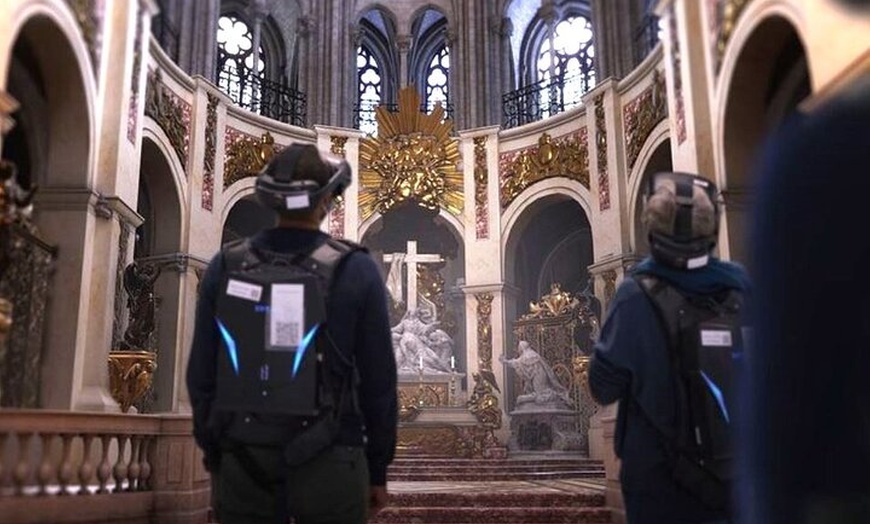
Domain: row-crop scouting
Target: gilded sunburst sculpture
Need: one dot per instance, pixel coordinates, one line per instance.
(413, 159)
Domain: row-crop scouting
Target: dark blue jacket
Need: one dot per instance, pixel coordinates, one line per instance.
(631, 365)
(807, 436)
(359, 325)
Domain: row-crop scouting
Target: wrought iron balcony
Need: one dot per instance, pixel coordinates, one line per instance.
(270, 99)
(545, 98)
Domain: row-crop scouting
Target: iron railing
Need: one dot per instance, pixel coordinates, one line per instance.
(545, 98)
(265, 97)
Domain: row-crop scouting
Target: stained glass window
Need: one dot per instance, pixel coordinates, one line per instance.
(369, 92)
(567, 59)
(436, 79)
(236, 72)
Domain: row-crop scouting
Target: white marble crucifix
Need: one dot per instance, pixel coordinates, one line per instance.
(410, 259)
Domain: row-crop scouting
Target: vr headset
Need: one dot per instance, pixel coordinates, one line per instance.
(681, 249)
(279, 187)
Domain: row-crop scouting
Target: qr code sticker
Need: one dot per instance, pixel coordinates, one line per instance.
(286, 334)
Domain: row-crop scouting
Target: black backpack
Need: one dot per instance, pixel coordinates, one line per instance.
(705, 346)
(280, 379)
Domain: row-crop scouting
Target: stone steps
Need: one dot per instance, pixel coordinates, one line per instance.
(523, 490)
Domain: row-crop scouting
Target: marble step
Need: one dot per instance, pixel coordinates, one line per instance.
(587, 498)
(485, 468)
(495, 476)
(492, 515)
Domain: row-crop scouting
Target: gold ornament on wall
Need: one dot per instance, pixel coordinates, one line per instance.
(170, 112)
(413, 159)
(724, 17)
(130, 375)
(566, 156)
(247, 156)
(642, 115)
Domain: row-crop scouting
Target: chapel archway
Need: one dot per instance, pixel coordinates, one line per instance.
(659, 161)
(768, 81)
(550, 243)
(438, 283)
(158, 242)
(51, 145)
(246, 218)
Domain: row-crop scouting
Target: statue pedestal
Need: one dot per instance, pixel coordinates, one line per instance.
(543, 429)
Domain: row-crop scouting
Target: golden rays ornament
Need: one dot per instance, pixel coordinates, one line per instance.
(413, 159)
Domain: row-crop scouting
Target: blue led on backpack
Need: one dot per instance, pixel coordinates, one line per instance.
(231, 345)
(717, 393)
(303, 347)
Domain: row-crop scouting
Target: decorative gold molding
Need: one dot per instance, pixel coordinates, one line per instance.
(601, 154)
(246, 155)
(207, 200)
(336, 215)
(566, 156)
(413, 158)
(130, 375)
(553, 304)
(481, 189)
(483, 403)
(89, 16)
(337, 145)
(724, 17)
(609, 277)
(168, 110)
(484, 329)
(642, 115)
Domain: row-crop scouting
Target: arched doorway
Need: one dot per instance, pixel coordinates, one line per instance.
(438, 282)
(550, 243)
(770, 78)
(659, 161)
(52, 144)
(246, 218)
(158, 242)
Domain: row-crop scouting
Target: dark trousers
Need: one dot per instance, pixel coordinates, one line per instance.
(332, 488)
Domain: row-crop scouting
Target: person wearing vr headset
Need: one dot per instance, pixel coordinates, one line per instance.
(257, 477)
(637, 358)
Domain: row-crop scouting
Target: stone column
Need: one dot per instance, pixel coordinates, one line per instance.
(197, 39)
(615, 24)
(403, 42)
(502, 29)
(688, 86)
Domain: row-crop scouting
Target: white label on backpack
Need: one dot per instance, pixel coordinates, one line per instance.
(716, 338)
(695, 263)
(237, 288)
(297, 201)
(287, 315)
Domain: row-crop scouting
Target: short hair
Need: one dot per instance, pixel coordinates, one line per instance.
(660, 211)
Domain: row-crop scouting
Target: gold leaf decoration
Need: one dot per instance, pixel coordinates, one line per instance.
(566, 156)
(413, 159)
(641, 116)
(247, 155)
(553, 304)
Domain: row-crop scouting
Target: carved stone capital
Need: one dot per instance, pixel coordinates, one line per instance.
(305, 26)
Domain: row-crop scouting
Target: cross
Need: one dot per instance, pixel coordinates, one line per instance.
(412, 258)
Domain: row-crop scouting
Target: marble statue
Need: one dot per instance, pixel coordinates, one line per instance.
(419, 343)
(542, 387)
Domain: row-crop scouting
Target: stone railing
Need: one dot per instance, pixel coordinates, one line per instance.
(95, 467)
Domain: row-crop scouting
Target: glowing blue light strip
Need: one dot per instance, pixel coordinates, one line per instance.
(717, 393)
(300, 351)
(231, 345)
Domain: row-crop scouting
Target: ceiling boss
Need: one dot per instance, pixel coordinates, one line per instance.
(413, 159)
